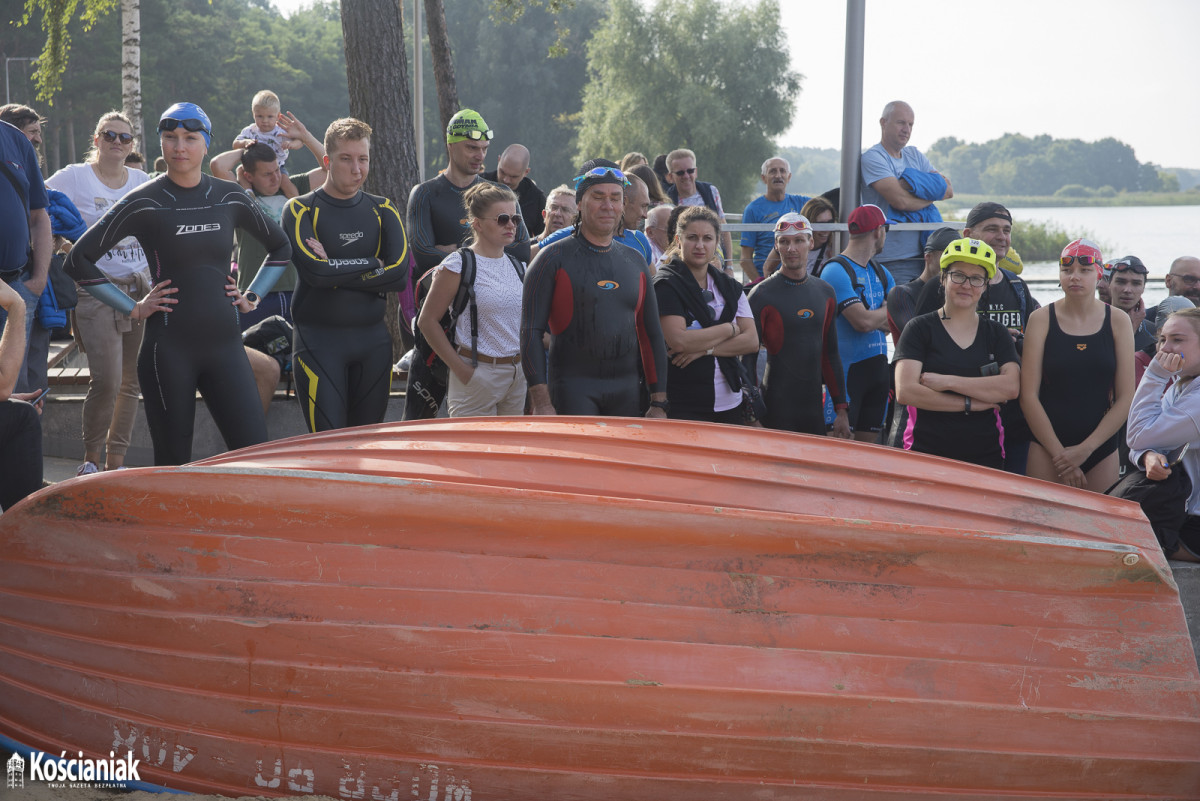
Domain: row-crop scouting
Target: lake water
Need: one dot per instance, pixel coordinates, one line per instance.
(1155, 234)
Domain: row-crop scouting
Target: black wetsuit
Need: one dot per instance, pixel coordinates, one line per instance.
(599, 305)
(342, 360)
(187, 234)
(436, 216)
(796, 324)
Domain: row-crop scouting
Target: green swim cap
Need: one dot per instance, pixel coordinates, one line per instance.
(467, 124)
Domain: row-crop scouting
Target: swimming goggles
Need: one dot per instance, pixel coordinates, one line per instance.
(600, 172)
(170, 124)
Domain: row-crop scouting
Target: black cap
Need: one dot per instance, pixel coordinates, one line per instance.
(986, 211)
(940, 238)
(1128, 263)
(610, 170)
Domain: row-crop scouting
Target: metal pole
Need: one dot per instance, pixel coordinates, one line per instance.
(418, 92)
(7, 95)
(852, 102)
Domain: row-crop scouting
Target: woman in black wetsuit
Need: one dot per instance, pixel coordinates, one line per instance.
(185, 221)
(1077, 378)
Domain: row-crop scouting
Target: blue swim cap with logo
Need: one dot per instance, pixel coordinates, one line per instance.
(182, 112)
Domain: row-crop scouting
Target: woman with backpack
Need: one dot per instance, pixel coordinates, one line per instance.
(482, 346)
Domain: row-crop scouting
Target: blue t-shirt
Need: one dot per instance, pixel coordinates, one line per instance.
(877, 163)
(761, 210)
(854, 345)
(629, 238)
(21, 159)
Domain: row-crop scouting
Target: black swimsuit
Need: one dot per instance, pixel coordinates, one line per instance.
(342, 357)
(1078, 373)
(187, 234)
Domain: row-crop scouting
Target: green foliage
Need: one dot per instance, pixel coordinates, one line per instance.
(699, 74)
(1020, 165)
(216, 53)
(1039, 241)
(511, 12)
(55, 17)
(814, 170)
(526, 95)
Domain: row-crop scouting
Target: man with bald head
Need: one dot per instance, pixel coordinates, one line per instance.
(767, 208)
(656, 231)
(1184, 278)
(513, 171)
(884, 184)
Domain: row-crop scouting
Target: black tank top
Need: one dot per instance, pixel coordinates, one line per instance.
(1078, 373)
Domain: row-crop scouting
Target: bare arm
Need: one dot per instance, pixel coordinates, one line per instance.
(681, 339)
(1031, 382)
(225, 165)
(297, 132)
(864, 319)
(987, 389)
(41, 241)
(12, 341)
(441, 294)
(747, 264)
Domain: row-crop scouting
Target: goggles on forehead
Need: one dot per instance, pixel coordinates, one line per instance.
(170, 124)
(600, 172)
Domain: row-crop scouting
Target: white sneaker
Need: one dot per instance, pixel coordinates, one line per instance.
(87, 468)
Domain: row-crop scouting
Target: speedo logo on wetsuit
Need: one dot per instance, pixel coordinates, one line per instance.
(196, 229)
(339, 264)
(607, 284)
(348, 238)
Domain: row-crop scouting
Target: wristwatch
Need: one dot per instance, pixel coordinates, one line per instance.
(253, 298)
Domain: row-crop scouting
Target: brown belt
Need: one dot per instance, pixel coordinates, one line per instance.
(491, 359)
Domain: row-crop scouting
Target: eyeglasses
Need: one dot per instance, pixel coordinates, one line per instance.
(1086, 261)
(170, 124)
(600, 172)
(112, 136)
(790, 225)
(505, 219)
(475, 134)
(962, 278)
(1190, 280)
(688, 171)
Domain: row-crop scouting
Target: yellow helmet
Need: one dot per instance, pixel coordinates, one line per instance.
(972, 251)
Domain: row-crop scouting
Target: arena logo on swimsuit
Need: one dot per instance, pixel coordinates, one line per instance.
(804, 314)
(196, 229)
(607, 284)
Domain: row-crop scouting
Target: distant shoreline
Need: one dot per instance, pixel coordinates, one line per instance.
(960, 204)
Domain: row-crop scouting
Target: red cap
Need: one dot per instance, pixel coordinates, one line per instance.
(865, 219)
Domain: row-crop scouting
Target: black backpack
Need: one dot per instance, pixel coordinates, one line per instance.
(428, 375)
(852, 274)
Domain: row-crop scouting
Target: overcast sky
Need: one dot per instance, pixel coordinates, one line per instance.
(976, 70)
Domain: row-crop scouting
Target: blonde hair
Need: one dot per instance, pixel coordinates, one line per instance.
(676, 155)
(93, 153)
(631, 160)
(1191, 315)
(265, 99)
(481, 197)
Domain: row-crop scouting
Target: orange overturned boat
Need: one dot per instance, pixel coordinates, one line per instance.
(570, 608)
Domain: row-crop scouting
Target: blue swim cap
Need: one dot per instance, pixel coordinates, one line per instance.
(188, 111)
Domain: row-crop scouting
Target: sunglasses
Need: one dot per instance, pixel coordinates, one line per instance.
(170, 124)
(111, 136)
(707, 295)
(962, 278)
(600, 172)
(797, 226)
(475, 135)
(1086, 261)
(504, 219)
(688, 171)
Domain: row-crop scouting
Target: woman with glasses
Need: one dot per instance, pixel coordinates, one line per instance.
(484, 361)
(1077, 377)
(954, 366)
(706, 322)
(110, 339)
(184, 221)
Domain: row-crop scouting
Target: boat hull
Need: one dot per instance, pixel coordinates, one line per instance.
(569, 608)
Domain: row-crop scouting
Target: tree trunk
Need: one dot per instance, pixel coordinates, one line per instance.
(373, 31)
(131, 70)
(443, 60)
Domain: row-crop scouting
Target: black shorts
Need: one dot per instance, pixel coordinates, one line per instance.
(867, 385)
